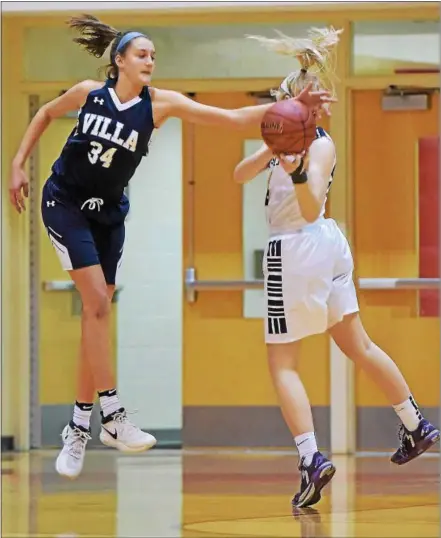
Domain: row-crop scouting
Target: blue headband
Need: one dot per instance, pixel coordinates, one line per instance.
(128, 37)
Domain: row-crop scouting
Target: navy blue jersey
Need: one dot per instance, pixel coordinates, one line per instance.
(106, 146)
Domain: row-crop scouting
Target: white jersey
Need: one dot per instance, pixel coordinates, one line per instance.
(282, 207)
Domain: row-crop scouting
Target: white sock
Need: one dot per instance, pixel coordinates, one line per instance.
(109, 401)
(82, 414)
(307, 446)
(409, 413)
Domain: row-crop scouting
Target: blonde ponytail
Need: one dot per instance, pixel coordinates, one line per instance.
(316, 55)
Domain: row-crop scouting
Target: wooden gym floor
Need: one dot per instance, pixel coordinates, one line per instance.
(215, 493)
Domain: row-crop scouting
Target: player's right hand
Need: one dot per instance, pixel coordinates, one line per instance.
(18, 187)
(318, 100)
(290, 163)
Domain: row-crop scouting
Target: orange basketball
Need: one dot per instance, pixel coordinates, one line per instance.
(288, 127)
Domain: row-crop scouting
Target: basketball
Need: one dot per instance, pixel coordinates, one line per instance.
(288, 127)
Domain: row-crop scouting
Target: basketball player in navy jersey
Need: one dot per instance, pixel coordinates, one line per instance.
(84, 206)
(309, 286)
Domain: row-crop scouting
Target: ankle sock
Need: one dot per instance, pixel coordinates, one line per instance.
(409, 413)
(307, 446)
(82, 413)
(109, 401)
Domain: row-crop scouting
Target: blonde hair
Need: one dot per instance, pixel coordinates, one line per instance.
(316, 55)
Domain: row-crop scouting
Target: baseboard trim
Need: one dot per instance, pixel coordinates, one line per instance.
(8, 444)
(263, 426)
(377, 427)
(246, 426)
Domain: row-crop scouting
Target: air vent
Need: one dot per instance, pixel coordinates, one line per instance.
(405, 102)
(396, 98)
(262, 98)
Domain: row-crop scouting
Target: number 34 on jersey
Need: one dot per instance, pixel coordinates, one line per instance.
(96, 153)
(102, 127)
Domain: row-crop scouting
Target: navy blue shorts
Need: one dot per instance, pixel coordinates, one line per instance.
(84, 232)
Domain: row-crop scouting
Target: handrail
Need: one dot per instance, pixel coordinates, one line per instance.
(193, 285)
(64, 285)
(58, 285)
(363, 283)
(399, 283)
(224, 285)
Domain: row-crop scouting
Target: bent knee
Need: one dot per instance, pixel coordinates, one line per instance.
(361, 350)
(96, 304)
(352, 338)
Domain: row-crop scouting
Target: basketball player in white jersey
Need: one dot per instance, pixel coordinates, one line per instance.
(308, 272)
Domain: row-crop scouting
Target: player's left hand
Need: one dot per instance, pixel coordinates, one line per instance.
(321, 99)
(290, 163)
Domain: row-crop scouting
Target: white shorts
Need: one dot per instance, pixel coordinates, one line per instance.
(308, 282)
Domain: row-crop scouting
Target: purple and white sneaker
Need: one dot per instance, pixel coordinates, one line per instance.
(412, 444)
(314, 479)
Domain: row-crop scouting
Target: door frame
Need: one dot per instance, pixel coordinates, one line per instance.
(34, 288)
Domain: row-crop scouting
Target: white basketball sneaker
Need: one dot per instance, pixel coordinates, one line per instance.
(118, 432)
(71, 458)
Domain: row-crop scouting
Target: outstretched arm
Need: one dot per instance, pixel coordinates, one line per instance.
(174, 104)
(70, 101)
